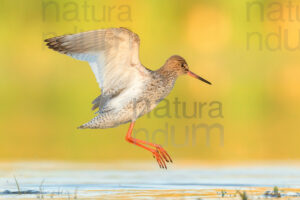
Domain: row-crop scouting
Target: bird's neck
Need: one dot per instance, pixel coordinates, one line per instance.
(167, 72)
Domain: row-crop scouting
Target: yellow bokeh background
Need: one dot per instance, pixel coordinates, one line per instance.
(46, 95)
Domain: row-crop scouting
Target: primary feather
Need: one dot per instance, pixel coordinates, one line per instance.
(113, 55)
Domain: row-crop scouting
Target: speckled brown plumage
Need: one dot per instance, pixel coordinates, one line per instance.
(160, 84)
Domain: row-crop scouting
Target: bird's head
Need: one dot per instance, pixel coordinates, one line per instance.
(179, 65)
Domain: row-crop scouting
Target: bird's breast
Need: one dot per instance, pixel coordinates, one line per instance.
(156, 90)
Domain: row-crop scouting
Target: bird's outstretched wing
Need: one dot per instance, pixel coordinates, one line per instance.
(113, 55)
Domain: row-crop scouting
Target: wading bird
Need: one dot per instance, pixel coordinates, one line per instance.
(128, 89)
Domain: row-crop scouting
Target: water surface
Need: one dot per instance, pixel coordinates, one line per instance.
(144, 181)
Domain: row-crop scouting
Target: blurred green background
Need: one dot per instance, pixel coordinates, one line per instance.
(242, 47)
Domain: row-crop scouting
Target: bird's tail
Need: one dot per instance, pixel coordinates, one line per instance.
(101, 121)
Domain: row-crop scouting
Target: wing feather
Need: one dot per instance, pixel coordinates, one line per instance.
(113, 55)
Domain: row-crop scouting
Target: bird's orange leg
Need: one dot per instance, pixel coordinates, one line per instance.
(157, 153)
(158, 147)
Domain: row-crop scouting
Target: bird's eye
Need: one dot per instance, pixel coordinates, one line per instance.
(184, 67)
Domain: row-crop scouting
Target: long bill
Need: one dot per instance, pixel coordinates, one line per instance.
(198, 77)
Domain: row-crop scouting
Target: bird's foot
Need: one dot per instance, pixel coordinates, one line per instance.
(161, 162)
(164, 153)
(161, 156)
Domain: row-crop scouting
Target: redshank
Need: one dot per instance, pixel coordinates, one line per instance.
(128, 89)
